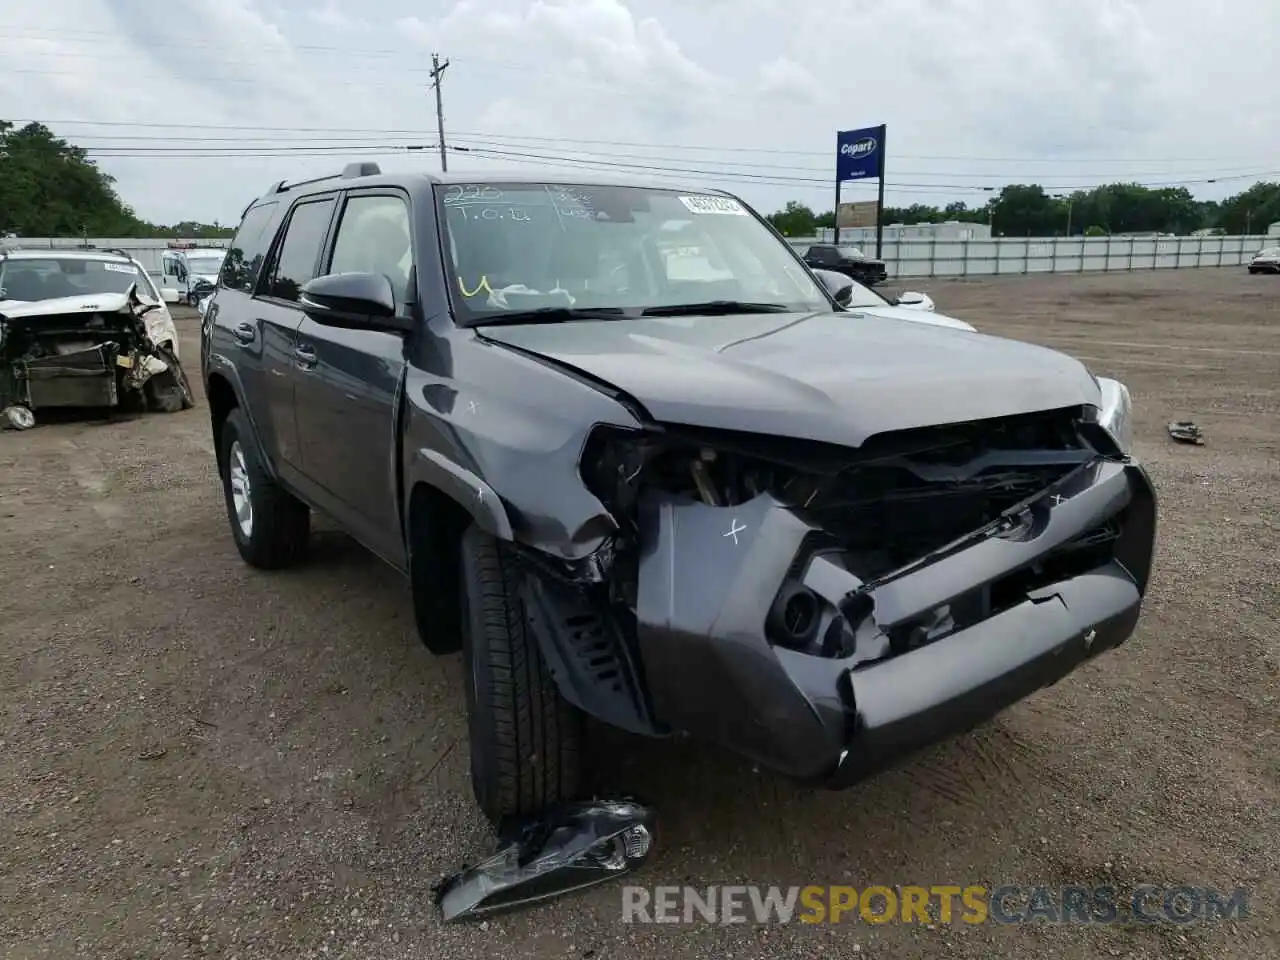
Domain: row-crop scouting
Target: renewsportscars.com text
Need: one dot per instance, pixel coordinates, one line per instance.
(941, 903)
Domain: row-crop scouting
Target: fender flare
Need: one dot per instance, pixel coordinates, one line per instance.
(475, 496)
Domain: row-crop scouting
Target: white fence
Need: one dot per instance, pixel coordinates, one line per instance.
(926, 257)
(1010, 255)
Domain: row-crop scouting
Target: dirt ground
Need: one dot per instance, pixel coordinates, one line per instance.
(197, 759)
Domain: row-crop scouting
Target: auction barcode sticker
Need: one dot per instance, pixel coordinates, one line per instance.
(713, 205)
(119, 267)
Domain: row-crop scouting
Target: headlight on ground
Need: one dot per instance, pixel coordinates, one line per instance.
(1117, 412)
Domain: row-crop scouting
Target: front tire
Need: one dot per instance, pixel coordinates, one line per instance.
(526, 740)
(271, 527)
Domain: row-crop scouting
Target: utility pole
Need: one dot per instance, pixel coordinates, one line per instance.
(437, 71)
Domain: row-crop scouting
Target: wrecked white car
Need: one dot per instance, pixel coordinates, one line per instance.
(84, 329)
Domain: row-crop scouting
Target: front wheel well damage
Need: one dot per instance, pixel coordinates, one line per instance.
(435, 525)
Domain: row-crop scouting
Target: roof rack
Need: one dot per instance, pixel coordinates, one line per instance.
(118, 251)
(351, 171)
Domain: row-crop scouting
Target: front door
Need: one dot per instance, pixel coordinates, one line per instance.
(346, 409)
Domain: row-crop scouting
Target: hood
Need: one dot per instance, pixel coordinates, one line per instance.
(832, 377)
(86, 303)
(913, 314)
(210, 278)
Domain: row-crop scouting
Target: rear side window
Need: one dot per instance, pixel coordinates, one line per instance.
(299, 252)
(248, 249)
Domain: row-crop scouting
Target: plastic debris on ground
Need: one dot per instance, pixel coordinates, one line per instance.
(18, 417)
(1184, 431)
(559, 851)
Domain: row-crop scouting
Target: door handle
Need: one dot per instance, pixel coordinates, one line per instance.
(244, 332)
(306, 357)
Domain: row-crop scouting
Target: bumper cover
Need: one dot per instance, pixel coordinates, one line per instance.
(711, 575)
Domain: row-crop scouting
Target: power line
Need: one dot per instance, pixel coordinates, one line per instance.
(562, 160)
(521, 138)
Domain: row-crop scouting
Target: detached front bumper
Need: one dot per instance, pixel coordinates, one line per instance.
(711, 576)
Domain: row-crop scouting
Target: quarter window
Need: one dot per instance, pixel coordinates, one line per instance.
(248, 250)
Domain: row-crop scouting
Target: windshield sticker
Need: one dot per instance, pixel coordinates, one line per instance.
(120, 267)
(713, 205)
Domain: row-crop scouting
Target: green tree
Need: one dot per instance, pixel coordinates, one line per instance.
(1025, 210)
(794, 220)
(50, 188)
(1252, 211)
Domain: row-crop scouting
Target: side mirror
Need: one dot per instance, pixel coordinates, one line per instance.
(917, 301)
(837, 284)
(353, 300)
(168, 295)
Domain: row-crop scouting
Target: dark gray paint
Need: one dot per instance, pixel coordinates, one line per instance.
(496, 418)
(838, 377)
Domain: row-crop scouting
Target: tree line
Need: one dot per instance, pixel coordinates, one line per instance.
(50, 188)
(1028, 210)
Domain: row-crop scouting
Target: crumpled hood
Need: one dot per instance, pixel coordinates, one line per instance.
(86, 303)
(832, 377)
(211, 278)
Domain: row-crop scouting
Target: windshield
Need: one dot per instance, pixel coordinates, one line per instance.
(30, 280)
(1269, 252)
(849, 251)
(530, 246)
(205, 264)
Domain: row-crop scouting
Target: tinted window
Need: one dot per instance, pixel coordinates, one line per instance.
(298, 254)
(373, 237)
(248, 249)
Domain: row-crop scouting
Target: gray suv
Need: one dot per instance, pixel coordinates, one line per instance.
(637, 464)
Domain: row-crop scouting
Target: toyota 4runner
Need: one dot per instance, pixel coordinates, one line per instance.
(636, 463)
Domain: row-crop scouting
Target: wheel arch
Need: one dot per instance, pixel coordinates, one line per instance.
(223, 394)
(435, 521)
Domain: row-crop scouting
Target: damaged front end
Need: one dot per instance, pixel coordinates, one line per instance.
(825, 610)
(87, 352)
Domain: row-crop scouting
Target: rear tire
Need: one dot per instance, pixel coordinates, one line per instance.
(271, 527)
(526, 740)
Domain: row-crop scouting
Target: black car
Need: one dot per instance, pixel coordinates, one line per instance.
(637, 464)
(848, 260)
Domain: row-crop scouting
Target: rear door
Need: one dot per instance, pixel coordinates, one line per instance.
(348, 397)
(233, 337)
(293, 261)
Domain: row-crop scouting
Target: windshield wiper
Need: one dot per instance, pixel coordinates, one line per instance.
(715, 308)
(549, 315)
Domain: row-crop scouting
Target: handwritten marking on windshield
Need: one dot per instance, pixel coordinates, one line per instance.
(469, 212)
(482, 285)
(462, 192)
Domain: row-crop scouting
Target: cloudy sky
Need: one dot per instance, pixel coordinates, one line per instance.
(197, 105)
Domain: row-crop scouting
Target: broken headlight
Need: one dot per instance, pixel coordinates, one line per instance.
(1116, 412)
